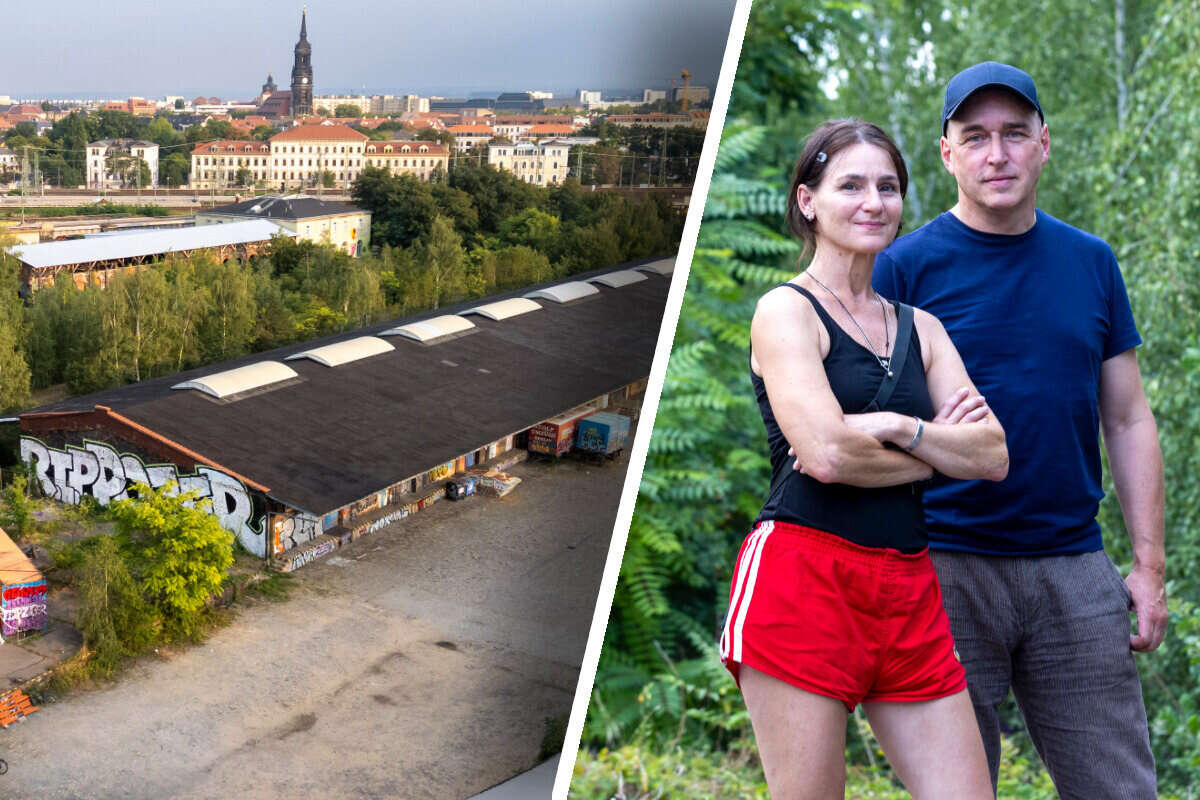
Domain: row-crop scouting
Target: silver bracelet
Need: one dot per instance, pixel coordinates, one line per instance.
(916, 436)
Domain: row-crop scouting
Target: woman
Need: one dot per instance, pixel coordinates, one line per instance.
(834, 599)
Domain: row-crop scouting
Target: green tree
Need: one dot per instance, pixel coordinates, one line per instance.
(14, 370)
(161, 132)
(17, 518)
(402, 207)
(532, 227)
(497, 194)
(431, 135)
(182, 552)
(445, 261)
(113, 617)
(173, 169)
(225, 322)
(147, 320)
(347, 110)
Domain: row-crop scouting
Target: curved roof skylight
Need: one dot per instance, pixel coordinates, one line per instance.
(333, 355)
(503, 309)
(427, 330)
(622, 277)
(241, 379)
(664, 266)
(565, 292)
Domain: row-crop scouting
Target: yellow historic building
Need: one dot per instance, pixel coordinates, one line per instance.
(217, 164)
(344, 226)
(417, 158)
(301, 154)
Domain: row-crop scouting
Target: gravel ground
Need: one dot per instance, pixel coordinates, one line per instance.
(420, 661)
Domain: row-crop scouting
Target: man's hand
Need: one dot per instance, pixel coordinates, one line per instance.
(1150, 604)
(961, 407)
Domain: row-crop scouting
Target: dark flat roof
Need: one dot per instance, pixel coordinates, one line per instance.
(284, 207)
(343, 432)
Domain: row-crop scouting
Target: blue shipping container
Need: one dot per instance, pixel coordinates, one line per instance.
(602, 432)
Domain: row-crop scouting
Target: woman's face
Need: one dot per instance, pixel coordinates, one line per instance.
(857, 206)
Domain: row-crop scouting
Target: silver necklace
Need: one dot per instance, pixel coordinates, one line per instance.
(885, 362)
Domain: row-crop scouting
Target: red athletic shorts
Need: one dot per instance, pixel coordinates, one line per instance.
(855, 623)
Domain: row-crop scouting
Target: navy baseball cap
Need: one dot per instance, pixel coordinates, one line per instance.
(981, 76)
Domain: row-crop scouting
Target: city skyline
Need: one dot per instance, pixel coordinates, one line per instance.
(362, 46)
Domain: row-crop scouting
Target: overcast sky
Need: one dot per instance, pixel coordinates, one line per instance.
(152, 48)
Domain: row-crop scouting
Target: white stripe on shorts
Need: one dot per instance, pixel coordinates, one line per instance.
(742, 566)
(747, 577)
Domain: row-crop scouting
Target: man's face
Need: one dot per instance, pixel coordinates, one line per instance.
(995, 146)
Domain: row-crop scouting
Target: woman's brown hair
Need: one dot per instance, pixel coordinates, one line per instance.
(822, 145)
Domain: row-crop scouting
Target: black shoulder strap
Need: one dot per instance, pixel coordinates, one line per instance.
(904, 326)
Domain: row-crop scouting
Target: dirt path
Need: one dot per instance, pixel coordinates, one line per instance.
(421, 661)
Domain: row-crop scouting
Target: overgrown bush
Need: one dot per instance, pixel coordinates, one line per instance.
(17, 516)
(114, 617)
(180, 552)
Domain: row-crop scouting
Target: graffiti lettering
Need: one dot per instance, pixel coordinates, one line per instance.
(296, 530)
(300, 559)
(99, 470)
(12, 615)
(24, 608)
(17, 592)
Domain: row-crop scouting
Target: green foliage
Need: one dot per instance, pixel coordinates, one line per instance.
(17, 516)
(182, 552)
(98, 209)
(641, 772)
(113, 616)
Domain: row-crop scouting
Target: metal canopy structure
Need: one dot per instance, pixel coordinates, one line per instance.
(333, 355)
(42, 262)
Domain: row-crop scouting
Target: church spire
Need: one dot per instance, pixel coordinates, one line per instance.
(302, 76)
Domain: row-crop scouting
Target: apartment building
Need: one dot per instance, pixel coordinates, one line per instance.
(540, 163)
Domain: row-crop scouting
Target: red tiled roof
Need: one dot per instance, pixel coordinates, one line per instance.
(550, 129)
(435, 149)
(222, 147)
(459, 129)
(319, 133)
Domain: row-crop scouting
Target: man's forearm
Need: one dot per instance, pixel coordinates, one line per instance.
(1135, 459)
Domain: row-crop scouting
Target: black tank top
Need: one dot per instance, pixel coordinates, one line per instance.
(891, 516)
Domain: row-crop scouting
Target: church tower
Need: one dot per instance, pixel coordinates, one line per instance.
(302, 91)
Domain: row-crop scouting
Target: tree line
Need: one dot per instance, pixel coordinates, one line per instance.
(433, 245)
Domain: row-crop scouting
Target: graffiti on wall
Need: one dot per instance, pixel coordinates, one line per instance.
(437, 473)
(98, 470)
(23, 608)
(295, 530)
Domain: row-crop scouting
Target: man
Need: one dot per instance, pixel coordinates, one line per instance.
(1040, 314)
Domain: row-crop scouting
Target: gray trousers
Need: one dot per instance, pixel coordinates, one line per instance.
(1055, 630)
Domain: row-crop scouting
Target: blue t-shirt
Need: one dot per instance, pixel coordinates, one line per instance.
(1033, 316)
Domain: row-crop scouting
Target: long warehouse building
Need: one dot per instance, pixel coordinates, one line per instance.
(306, 447)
